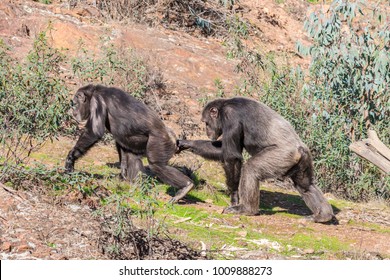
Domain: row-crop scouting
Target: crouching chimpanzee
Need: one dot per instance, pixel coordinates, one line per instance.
(137, 130)
(275, 149)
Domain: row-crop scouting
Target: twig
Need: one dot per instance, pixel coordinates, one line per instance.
(11, 191)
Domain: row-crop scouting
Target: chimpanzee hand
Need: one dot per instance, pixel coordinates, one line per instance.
(69, 167)
(183, 145)
(69, 164)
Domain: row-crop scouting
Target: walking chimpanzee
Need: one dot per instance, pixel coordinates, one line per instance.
(136, 129)
(275, 148)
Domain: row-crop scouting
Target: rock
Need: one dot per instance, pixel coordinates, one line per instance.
(6, 247)
(308, 251)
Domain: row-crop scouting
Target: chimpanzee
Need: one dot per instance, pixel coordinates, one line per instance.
(136, 129)
(275, 149)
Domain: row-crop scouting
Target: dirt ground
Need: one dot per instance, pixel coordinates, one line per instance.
(35, 225)
(38, 226)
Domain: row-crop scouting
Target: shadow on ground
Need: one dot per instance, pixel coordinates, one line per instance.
(277, 202)
(271, 202)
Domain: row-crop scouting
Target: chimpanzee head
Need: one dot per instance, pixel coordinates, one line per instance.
(211, 116)
(81, 103)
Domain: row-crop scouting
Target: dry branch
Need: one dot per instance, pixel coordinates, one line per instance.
(373, 150)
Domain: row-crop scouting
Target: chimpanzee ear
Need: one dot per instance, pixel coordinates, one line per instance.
(213, 112)
(81, 96)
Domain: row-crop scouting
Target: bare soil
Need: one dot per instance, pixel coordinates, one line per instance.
(34, 225)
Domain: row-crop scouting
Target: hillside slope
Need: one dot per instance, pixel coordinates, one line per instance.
(36, 224)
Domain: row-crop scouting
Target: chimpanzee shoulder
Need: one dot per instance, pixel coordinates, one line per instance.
(250, 110)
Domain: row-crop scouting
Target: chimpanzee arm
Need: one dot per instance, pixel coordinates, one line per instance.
(85, 142)
(211, 150)
(232, 154)
(93, 132)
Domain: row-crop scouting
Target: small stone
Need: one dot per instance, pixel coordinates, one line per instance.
(31, 245)
(308, 251)
(6, 247)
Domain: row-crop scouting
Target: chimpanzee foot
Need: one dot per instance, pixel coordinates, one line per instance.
(181, 193)
(239, 209)
(322, 218)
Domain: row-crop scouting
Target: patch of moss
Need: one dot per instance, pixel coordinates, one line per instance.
(322, 243)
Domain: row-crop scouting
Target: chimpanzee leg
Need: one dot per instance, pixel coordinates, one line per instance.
(270, 163)
(311, 194)
(248, 192)
(119, 150)
(159, 151)
(131, 165)
(232, 173)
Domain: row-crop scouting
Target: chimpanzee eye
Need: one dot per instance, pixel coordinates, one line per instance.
(73, 104)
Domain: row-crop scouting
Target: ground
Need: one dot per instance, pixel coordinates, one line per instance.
(37, 223)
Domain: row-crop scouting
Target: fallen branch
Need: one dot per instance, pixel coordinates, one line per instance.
(374, 141)
(12, 192)
(182, 220)
(373, 150)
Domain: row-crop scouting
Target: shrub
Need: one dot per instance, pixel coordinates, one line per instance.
(344, 93)
(33, 100)
(210, 17)
(349, 77)
(350, 63)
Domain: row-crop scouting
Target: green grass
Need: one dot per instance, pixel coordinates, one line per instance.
(323, 243)
(200, 219)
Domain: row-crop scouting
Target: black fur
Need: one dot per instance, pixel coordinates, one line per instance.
(137, 130)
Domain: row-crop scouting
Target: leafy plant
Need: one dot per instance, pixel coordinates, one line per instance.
(344, 93)
(350, 66)
(33, 100)
(349, 78)
(120, 213)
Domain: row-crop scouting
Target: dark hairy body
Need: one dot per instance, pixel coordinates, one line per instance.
(136, 129)
(275, 148)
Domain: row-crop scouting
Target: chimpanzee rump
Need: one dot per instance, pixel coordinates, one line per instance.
(275, 149)
(137, 130)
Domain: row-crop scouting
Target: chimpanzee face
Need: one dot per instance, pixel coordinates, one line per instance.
(213, 123)
(80, 106)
